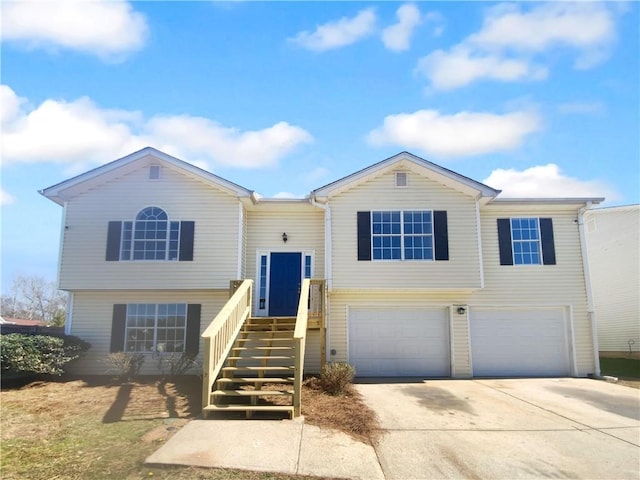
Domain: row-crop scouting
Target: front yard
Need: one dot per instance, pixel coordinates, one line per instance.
(79, 428)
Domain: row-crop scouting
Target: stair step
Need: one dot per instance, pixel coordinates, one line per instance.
(259, 369)
(269, 320)
(262, 357)
(256, 380)
(253, 408)
(283, 329)
(250, 393)
(262, 348)
(265, 339)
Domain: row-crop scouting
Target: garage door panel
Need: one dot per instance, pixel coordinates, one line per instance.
(517, 342)
(399, 342)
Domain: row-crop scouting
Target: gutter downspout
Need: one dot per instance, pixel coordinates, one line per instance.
(327, 268)
(587, 280)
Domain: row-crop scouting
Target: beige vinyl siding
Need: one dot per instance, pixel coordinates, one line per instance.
(312, 352)
(460, 354)
(303, 224)
(614, 261)
(215, 256)
(461, 271)
(561, 285)
(93, 313)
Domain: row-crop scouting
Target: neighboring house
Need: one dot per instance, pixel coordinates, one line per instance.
(23, 322)
(428, 273)
(613, 245)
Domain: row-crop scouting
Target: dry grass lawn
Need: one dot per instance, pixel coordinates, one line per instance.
(93, 427)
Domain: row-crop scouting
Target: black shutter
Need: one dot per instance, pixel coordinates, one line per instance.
(364, 235)
(504, 241)
(118, 327)
(113, 241)
(186, 241)
(441, 235)
(193, 329)
(546, 238)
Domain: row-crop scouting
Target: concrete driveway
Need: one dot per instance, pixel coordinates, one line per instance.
(507, 429)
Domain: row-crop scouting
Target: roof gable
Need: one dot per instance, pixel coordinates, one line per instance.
(408, 161)
(62, 191)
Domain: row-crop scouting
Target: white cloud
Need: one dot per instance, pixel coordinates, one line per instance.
(339, 33)
(187, 136)
(437, 19)
(80, 132)
(461, 134)
(514, 39)
(287, 195)
(582, 108)
(107, 28)
(6, 198)
(546, 181)
(461, 66)
(588, 27)
(397, 36)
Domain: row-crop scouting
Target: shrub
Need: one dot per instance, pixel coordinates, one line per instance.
(174, 364)
(336, 378)
(38, 354)
(126, 365)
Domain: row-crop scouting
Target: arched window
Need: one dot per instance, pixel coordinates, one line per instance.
(151, 237)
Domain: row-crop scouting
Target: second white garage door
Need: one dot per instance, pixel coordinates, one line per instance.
(519, 342)
(389, 342)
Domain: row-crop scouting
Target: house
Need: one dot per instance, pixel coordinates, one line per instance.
(424, 272)
(23, 322)
(613, 245)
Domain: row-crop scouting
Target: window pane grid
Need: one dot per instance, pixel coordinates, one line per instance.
(150, 237)
(387, 235)
(263, 282)
(156, 327)
(409, 239)
(525, 233)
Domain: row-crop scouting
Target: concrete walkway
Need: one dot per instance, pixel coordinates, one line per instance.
(269, 446)
(480, 429)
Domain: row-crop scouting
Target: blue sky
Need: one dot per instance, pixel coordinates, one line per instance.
(536, 99)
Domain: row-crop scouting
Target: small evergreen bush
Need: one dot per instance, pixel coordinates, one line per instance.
(38, 354)
(336, 378)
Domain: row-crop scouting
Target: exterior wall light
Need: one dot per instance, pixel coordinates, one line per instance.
(461, 310)
(284, 237)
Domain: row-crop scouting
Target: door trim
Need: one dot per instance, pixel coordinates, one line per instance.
(259, 280)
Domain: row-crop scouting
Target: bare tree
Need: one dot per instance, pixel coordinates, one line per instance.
(35, 298)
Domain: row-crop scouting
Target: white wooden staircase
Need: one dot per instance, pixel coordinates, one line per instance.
(256, 364)
(264, 352)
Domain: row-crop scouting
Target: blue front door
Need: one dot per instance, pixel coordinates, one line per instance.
(284, 284)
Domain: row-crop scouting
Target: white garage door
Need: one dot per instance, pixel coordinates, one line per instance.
(399, 342)
(514, 342)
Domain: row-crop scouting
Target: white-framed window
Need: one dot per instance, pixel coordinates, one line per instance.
(156, 327)
(150, 237)
(402, 235)
(262, 281)
(525, 241)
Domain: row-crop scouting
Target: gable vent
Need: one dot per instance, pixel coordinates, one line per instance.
(401, 179)
(154, 172)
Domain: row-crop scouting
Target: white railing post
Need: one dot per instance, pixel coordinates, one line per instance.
(299, 337)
